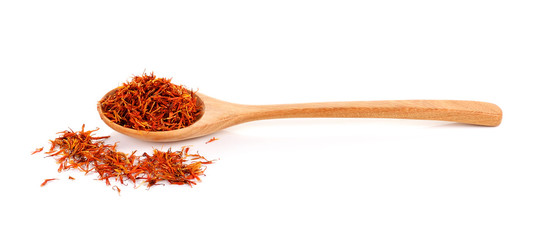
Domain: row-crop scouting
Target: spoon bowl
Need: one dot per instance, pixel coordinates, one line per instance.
(218, 114)
(209, 122)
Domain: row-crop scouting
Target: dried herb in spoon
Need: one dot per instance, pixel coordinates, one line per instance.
(152, 104)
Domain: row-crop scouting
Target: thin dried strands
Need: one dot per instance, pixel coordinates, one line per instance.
(48, 180)
(212, 140)
(152, 104)
(83, 151)
(37, 150)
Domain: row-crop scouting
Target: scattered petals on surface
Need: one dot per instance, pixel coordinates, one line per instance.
(212, 139)
(37, 150)
(83, 151)
(48, 180)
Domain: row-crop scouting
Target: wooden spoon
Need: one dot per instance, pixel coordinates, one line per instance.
(219, 114)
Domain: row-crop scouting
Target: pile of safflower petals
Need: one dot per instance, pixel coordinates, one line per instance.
(83, 151)
(150, 103)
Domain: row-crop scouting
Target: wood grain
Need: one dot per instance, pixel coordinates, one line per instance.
(219, 114)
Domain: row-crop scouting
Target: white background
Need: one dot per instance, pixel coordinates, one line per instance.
(291, 178)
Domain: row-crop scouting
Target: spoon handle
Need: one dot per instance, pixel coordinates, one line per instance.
(469, 112)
